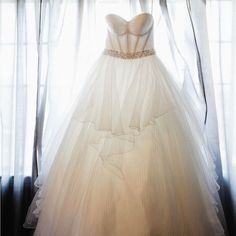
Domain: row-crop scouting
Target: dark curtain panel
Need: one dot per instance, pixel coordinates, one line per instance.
(13, 211)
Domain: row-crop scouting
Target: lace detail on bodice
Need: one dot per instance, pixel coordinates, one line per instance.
(130, 36)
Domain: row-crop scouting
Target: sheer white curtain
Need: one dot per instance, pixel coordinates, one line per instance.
(222, 40)
(18, 79)
(58, 78)
(18, 76)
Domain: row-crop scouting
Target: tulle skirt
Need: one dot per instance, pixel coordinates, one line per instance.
(131, 161)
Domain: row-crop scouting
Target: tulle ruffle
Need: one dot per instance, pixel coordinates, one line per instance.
(130, 114)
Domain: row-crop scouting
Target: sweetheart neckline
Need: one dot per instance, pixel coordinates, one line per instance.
(133, 18)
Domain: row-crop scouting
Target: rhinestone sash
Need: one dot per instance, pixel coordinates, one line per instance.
(129, 55)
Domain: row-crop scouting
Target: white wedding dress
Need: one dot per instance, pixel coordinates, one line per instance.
(132, 160)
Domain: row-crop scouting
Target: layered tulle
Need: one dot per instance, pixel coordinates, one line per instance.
(131, 160)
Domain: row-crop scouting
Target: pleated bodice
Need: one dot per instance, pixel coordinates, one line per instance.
(131, 36)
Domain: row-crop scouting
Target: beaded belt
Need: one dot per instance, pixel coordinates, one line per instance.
(129, 55)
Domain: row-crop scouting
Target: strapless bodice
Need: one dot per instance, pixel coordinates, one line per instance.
(131, 36)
